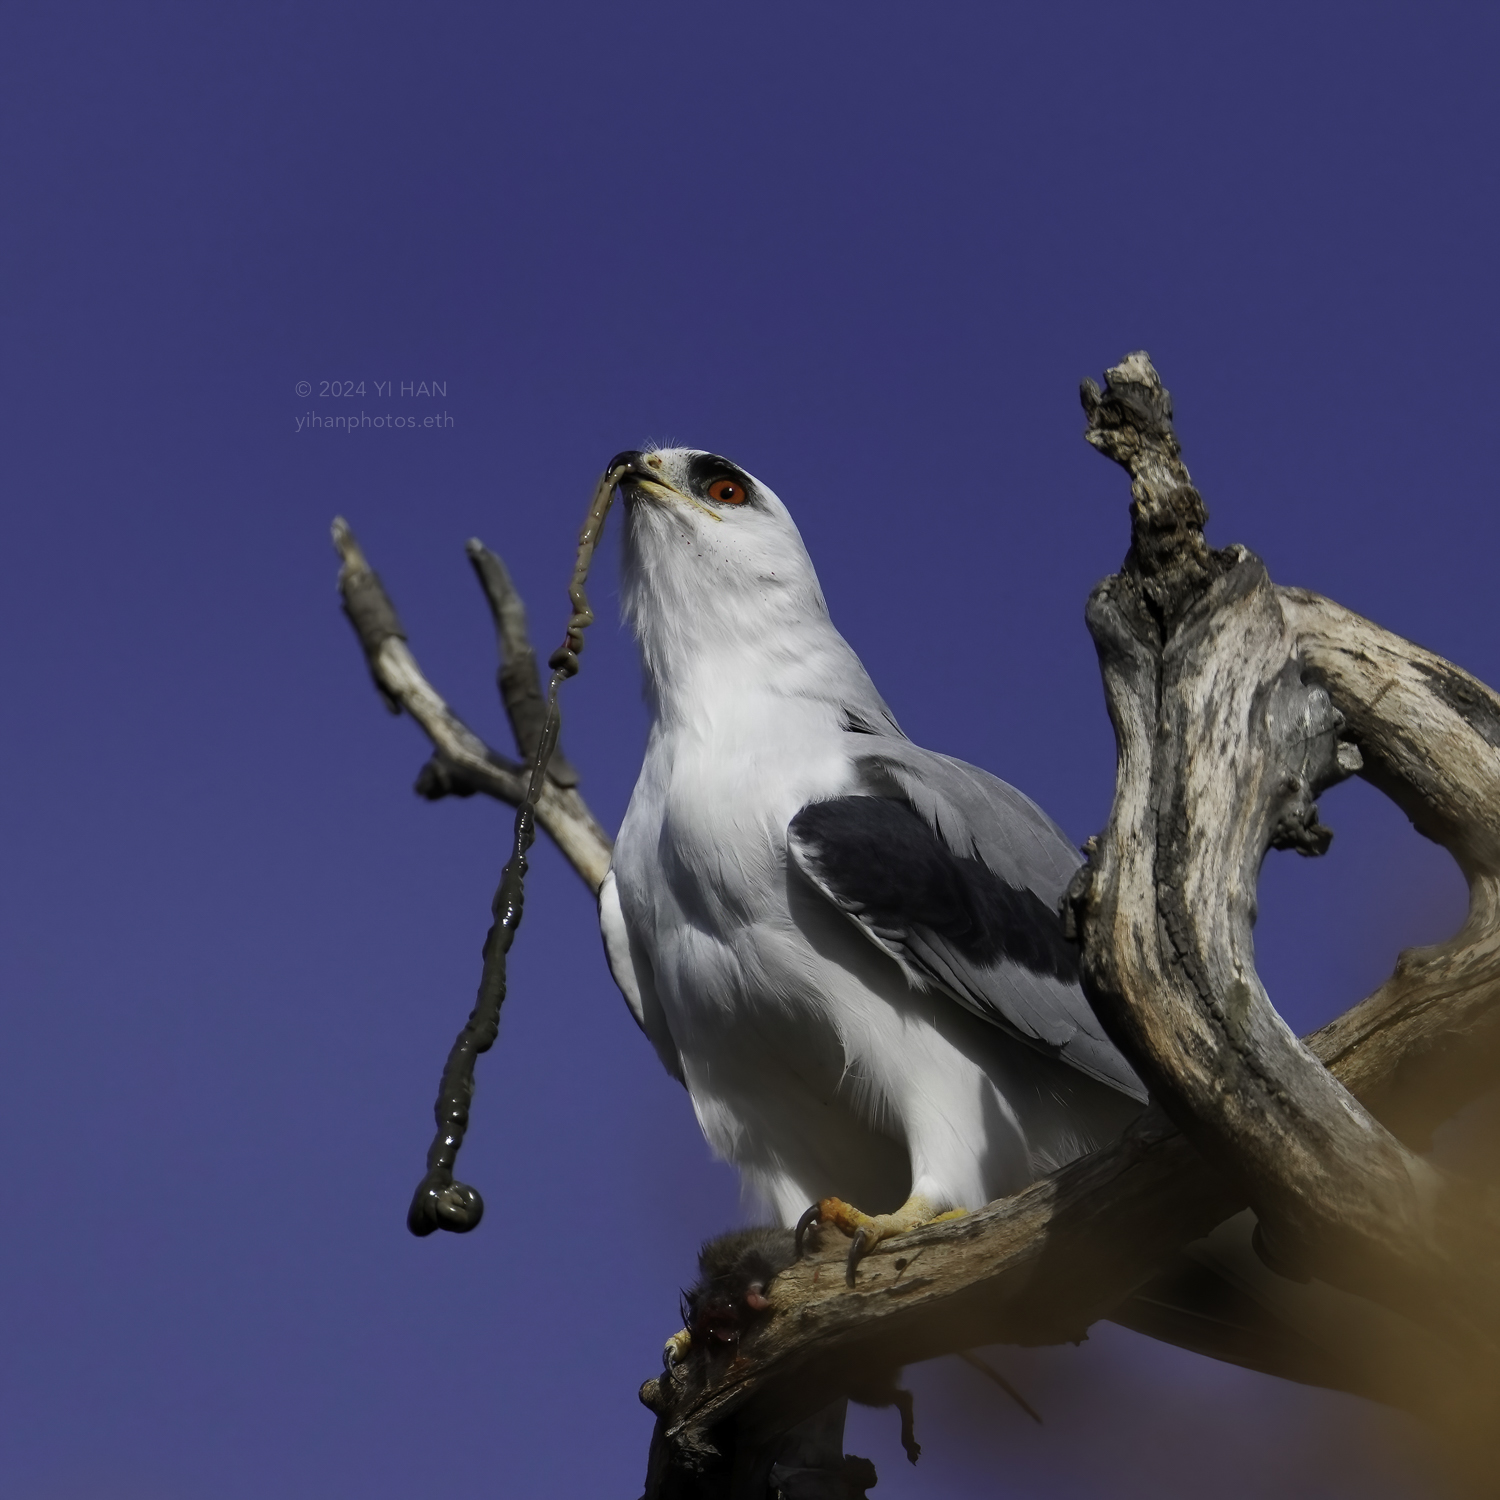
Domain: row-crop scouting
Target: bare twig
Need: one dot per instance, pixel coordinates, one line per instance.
(440, 1201)
(462, 763)
(518, 678)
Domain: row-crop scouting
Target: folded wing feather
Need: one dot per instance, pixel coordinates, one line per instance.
(958, 877)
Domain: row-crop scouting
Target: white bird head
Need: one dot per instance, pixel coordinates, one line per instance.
(722, 594)
(716, 576)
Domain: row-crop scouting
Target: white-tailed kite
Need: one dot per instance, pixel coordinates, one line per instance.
(846, 946)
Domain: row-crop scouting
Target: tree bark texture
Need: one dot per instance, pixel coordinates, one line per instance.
(1234, 703)
(1229, 702)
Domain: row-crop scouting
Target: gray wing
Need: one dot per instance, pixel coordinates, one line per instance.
(958, 877)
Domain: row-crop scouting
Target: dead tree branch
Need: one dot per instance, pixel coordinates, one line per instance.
(462, 763)
(517, 677)
(1228, 701)
(1036, 1268)
(1234, 704)
(441, 1201)
(1429, 735)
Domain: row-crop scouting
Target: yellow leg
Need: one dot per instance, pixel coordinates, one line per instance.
(868, 1230)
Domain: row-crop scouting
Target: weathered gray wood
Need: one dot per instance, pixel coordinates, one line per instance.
(1036, 1268)
(1234, 705)
(1430, 738)
(1225, 737)
(462, 763)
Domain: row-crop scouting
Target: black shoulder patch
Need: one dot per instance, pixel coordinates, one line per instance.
(882, 860)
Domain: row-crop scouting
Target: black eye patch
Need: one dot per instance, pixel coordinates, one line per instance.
(705, 469)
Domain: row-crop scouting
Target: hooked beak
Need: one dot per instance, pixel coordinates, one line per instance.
(639, 476)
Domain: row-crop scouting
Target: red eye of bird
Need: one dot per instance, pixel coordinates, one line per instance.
(727, 492)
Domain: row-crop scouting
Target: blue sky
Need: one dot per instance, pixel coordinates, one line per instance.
(868, 252)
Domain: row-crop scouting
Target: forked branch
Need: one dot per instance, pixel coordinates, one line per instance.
(462, 763)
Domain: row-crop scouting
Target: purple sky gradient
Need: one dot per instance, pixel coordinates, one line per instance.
(868, 252)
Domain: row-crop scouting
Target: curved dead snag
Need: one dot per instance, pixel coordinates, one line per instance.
(1430, 737)
(462, 764)
(1229, 701)
(1234, 705)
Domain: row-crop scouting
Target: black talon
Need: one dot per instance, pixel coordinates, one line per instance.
(859, 1247)
(803, 1225)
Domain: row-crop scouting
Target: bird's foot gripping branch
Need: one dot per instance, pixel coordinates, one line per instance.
(1235, 703)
